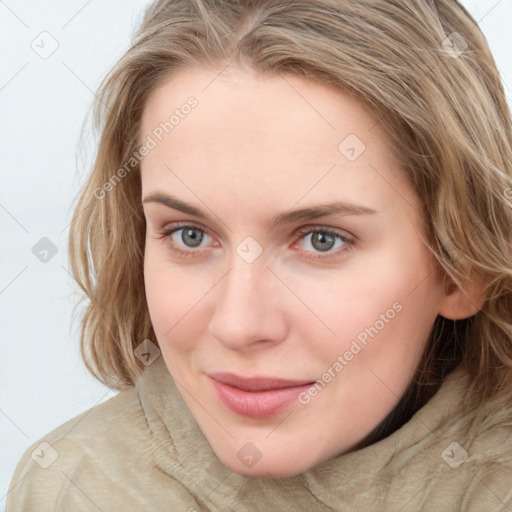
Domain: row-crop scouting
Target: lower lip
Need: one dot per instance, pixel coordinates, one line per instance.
(257, 404)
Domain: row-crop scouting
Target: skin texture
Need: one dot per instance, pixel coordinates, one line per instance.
(254, 147)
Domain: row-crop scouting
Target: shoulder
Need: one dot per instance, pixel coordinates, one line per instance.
(117, 455)
(463, 462)
(100, 440)
(475, 473)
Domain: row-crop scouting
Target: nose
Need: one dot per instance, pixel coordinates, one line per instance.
(248, 310)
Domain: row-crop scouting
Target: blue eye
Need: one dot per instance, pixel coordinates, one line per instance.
(323, 240)
(190, 236)
(186, 240)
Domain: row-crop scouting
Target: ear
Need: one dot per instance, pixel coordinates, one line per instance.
(457, 304)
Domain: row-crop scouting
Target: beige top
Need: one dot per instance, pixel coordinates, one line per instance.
(143, 451)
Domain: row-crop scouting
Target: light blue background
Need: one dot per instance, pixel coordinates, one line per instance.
(43, 104)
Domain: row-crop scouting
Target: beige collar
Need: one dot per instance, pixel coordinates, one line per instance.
(182, 451)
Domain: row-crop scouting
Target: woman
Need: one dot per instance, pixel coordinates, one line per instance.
(295, 242)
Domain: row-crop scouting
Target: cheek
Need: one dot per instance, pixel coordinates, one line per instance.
(176, 301)
(158, 292)
(400, 303)
(381, 310)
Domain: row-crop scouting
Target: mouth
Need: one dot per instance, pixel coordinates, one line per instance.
(257, 383)
(257, 397)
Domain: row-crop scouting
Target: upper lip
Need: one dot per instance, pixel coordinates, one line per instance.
(257, 383)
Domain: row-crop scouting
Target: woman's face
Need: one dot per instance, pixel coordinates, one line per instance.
(286, 277)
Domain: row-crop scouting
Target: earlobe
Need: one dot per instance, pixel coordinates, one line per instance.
(458, 304)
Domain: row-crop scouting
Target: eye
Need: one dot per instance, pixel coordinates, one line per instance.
(323, 241)
(185, 241)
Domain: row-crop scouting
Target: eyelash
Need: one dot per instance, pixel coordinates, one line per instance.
(301, 233)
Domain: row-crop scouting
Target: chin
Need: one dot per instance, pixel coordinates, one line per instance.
(260, 470)
(277, 466)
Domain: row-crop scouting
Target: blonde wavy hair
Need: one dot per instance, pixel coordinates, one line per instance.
(443, 106)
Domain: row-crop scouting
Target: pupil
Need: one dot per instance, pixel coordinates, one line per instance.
(322, 242)
(191, 238)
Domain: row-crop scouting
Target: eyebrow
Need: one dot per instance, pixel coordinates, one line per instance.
(312, 212)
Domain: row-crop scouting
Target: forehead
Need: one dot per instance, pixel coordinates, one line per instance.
(241, 98)
(280, 130)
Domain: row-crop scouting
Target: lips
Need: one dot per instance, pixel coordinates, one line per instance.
(256, 383)
(257, 397)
